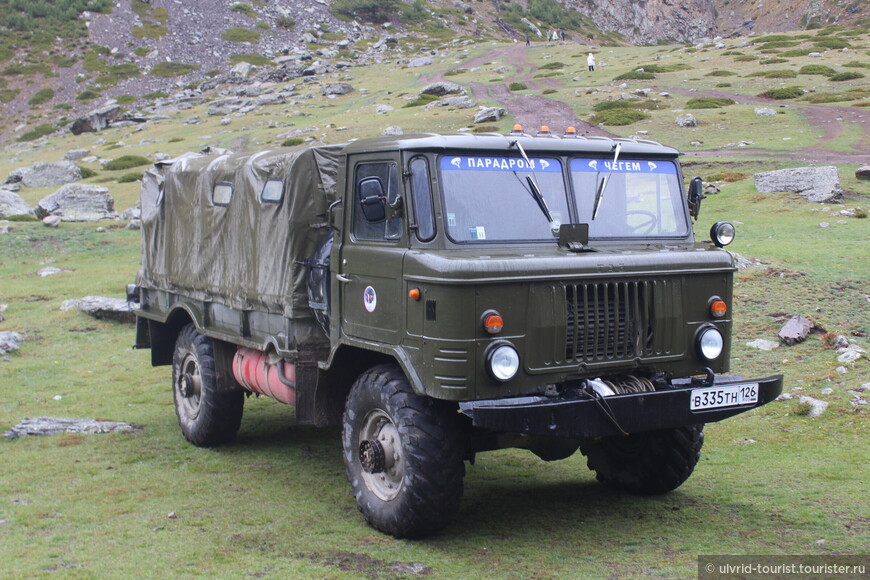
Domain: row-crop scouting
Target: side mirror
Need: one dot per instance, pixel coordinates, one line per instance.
(696, 194)
(372, 199)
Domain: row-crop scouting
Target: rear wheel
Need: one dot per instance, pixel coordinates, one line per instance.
(403, 455)
(646, 463)
(207, 414)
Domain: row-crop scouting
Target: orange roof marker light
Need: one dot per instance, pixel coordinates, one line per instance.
(517, 130)
(570, 132)
(544, 131)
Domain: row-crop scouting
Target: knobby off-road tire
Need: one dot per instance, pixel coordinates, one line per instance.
(646, 463)
(415, 485)
(207, 414)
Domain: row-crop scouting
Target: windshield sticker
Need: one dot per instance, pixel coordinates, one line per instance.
(630, 166)
(370, 299)
(477, 233)
(462, 163)
(451, 219)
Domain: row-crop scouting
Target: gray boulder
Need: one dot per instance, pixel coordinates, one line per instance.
(817, 184)
(687, 120)
(12, 204)
(863, 172)
(442, 88)
(103, 308)
(337, 89)
(43, 174)
(54, 425)
(76, 154)
(764, 112)
(489, 115)
(462, 102)
(9, 342)
(78, 203)
(795, 330)
(417, 62)
(51, 221)
(393, 131)
(96, 120)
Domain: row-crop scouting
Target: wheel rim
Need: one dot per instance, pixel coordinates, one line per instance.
(378, 429)
(188, 387)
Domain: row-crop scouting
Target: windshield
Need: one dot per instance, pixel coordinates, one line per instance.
(642, 198)
(489, 198)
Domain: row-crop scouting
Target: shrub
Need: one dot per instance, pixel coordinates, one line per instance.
(608, 105)
(176, 140)
(243, 8)
(41, 96)
(853, 95)
(775, 74)
(516, 86)
(173, 69)
(39, 131)
(846, 76)
(722, 85)
(665, 68)
(87, 95)
(773, 61)
(378, 11)
(141, 51)
(721, 73)
(548, 91)
(155, 95)
(783, 93)
(635, 75)
(708, 103)
(485, 129)
(285, 21)
(727, 176)
(241, 35)
(619, 116)
(832, 43)
(778, 44)
(794, 53)
(772, 38)
(292, 142)
(420, 101)
(130, 177)
(87, 172)
(126, 162)
(817, 69)
(126, 99)
(251, 58)
(455, 72)
(745, 58)
(552, 65)
(856, 64)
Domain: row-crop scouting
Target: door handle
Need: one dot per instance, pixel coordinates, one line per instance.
(342, 278)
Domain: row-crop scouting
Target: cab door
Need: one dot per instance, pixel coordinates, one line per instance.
(374, 242)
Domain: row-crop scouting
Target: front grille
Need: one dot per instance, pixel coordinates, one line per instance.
(611, 320)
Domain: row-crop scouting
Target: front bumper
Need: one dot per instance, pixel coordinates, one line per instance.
(583, 416)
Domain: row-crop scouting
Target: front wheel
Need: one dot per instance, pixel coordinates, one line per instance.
(207, 414)
(403, 455)
(646, 463)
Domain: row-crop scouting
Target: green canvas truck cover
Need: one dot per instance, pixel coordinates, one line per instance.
(247, 253)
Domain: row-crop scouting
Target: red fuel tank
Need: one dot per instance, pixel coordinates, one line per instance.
(254, 371)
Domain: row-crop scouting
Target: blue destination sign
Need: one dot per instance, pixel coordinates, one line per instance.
(462, 163)
(623, 166)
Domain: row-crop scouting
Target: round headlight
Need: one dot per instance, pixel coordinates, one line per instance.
(722, 233)
(502, 362)
(710, 343)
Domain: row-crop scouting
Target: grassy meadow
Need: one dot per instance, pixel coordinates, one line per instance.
(276, 504)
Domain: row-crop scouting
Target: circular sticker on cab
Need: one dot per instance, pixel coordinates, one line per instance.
(370, 299)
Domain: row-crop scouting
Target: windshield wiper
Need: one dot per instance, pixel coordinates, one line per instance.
(535, 190)
(599, 193)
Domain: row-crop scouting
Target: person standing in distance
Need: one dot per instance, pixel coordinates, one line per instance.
(590, 62)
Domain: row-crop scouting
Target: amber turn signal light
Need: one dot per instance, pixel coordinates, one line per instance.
(492, 322)
(414, 294)
(718, 308)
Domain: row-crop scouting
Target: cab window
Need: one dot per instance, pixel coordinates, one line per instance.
(420, 190)
(376, 185)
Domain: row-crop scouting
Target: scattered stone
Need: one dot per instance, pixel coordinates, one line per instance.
(795, 330)
(747, 442)
(687, 120)
(50, 271)
(103, 308)
(461, 102)
(96, 120)
(383, 109)
(850, 353)
(10, 341)
(76, 154)
(45, 174)
(489, 115)
(54, 425)
(12, 204)
(786, 397)
(442, 88)
(337, 89)
(817, 184)
(824, 225)
(135, 224)
(763, 344)
(857, 401)
(839, 341)
(842, 370)
(711, 189)
(827, 391)
(765, 112)
(77, 202)
(418, 62)
(3, 308)
(817, 407)
(863, 172)
(51, 221)
(393, 131)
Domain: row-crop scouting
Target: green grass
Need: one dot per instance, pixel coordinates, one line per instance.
(241, 35)
(783, 93)
(708, 103)
(253, 58)
(635, 75)
(39, 131)
(817, 69)
(126, 162)
(618, 116)
(846, 76)
(42, 96)
(173, 69)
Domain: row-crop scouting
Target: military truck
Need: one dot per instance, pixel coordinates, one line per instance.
(438, 296)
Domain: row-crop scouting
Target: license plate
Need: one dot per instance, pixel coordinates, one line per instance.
(731, 396)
